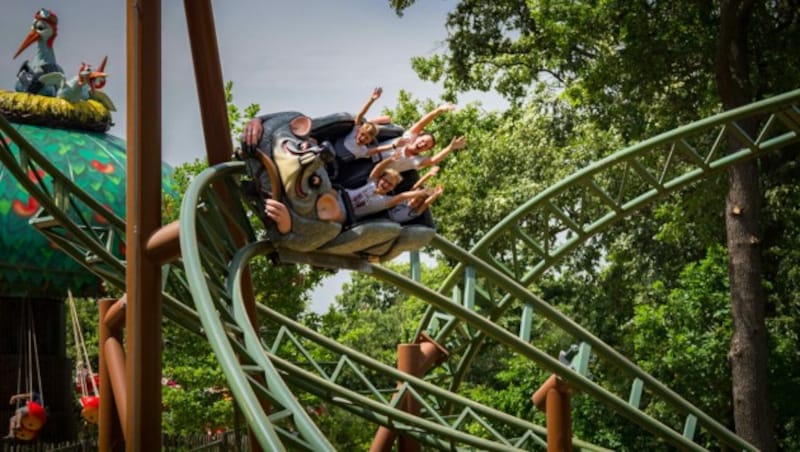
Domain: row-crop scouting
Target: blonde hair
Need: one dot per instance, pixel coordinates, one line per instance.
(369, 128)
(394, 175)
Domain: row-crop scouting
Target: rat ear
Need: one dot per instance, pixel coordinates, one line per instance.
(301, 126)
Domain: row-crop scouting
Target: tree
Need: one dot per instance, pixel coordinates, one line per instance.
(749, 350)
(680, 335)
(640, 68)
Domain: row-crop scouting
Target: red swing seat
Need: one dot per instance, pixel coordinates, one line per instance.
(35, 418)
(23, 434)
(91, 408)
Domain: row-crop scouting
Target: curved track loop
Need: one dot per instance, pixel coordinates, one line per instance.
(345, 377)
(487, 282)
(556, 221)
(66, 218)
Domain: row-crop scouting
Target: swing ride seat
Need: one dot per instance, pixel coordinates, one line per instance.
(23, 434)
(86, 381)
(35, 418)
(91, 408)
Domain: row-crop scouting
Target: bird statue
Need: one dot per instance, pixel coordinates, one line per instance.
(86, 85)
(43, 32)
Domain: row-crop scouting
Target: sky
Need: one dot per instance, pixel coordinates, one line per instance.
(313, 56)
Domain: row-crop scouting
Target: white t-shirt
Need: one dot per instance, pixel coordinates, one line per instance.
(405, 162)
(359, 151)
(365, 201)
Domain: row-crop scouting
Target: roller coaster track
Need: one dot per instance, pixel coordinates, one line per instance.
(205, 297)
(92, 234)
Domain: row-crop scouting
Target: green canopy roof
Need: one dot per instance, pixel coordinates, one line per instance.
(29, 265)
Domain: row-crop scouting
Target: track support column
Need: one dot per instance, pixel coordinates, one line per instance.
(554, 398)
(414, 359)
(110, 428)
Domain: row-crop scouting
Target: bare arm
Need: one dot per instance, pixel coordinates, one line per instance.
(455, 144)
(430, 199)
(416, 129)
(23, 396)
(387, 147)
(382, 119)
(378, 169)
(432, 172)
(381, 148)
(406, 195)
(376, 93)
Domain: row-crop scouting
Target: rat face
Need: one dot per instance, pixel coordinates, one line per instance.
(301, 165)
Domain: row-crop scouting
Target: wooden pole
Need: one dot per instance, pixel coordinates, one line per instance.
(110, 428)
(143, 206)
(554, 398)
(214, 113)
(415, 359)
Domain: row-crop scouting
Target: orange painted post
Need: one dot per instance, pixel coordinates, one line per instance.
(208, 76)
(114, 318)
(566, 419)
(555, 415)
(554, 398)
(409, 358)
(115, 365)
(383, 441)
(214, 113)
(110, 430)
(164, 245)
(433, 353)
(430, 354)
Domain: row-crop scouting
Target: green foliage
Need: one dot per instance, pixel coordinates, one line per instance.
(782, 264)
(199, 397)
(682, 335)
(373, 318)
(237, 117)
(586, 79)
(647, 64)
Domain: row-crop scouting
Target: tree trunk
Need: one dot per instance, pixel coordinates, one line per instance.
(748, 354)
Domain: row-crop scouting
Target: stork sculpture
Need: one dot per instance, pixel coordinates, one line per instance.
(86, 85)
(43, 32)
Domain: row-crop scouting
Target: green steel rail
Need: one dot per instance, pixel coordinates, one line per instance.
(345, 378)
(288, 346)
(553, 223)
(205, 243)
(66, 218)
(212, 249)
(556, 221)
(486, 283)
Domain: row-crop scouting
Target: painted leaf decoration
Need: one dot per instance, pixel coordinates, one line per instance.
(27, 259)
